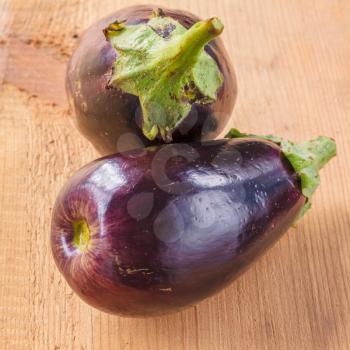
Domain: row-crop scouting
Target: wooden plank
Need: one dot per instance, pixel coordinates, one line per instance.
(292, 61)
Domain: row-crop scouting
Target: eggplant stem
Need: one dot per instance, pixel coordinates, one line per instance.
(166, 66)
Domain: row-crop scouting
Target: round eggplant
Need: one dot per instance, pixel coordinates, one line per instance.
(145, 76)
(154, 230)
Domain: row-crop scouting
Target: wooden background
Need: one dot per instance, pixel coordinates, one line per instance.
(293, 66)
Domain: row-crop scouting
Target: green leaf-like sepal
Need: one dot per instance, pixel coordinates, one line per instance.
(165, 65)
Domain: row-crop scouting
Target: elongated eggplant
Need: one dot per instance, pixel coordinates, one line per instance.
(151, 231)
(145, 76)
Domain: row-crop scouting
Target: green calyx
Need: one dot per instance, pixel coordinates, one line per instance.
(165, 65)
(307, 159)
(81, 235)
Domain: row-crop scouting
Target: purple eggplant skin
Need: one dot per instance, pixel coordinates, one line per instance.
(111, 119)
(171, 225)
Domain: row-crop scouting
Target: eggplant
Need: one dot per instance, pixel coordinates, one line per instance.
(152, 231)
(144, 76)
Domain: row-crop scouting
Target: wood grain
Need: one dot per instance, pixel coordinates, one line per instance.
(293, 66)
